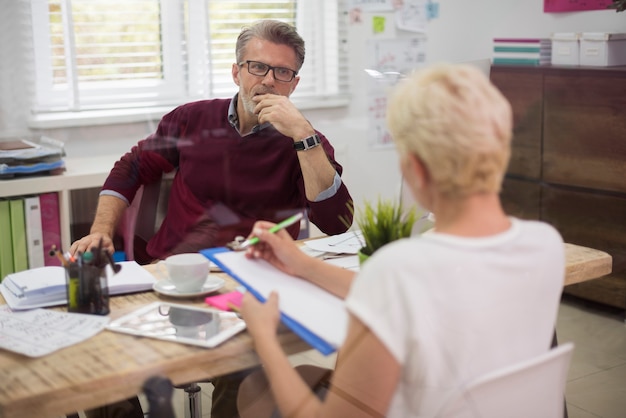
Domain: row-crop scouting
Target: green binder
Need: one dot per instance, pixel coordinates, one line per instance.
(6, 243)
(18, 235)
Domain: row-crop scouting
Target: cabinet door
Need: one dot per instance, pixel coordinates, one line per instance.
(597, 220)
(585, 129)
(521, 198)
(524, 89)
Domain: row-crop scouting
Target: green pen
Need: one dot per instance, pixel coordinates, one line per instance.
(284, 224)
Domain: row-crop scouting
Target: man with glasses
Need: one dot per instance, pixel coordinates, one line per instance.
(238, 160)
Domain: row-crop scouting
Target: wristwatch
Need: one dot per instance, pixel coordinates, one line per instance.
(307, 143)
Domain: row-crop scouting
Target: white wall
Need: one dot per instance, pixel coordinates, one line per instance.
(462, 32)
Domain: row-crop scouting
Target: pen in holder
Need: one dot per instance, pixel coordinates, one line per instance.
(87, 281)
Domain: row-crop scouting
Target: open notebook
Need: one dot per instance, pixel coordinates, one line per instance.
(45, 286)
(318, 317)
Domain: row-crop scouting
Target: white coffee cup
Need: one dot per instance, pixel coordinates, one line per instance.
(187, 271)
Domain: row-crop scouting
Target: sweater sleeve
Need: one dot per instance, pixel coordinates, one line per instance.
(147, 161)
(332, 215)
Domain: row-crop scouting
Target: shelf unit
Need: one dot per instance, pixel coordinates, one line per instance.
(80, 173)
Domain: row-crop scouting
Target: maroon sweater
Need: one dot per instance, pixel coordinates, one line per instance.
(225, 182)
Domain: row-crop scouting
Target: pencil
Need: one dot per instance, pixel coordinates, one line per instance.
(54, 251)
(284, 224)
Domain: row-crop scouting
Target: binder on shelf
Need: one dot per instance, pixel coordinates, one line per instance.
(18, 234)
(6, 245)
(50, 225)
(34, 235)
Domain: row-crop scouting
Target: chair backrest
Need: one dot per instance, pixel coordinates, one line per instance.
(532, 388)
(140, 218)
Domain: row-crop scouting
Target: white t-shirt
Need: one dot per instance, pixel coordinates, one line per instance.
(450, 309)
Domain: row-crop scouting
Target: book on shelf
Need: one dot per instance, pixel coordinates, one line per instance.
(34, 233)
(50, 225)
(46, 286)
(522, 51)
(18, 234)
(6, 244)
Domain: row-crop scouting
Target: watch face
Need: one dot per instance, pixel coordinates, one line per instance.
(306, 143)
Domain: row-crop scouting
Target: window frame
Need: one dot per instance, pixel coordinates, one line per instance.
(52, 105)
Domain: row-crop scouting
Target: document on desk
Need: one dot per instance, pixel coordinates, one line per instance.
(45, 286)
(38, 332)
(317, 316)
(347, 243)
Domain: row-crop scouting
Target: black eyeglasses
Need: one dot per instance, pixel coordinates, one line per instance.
(260, 69)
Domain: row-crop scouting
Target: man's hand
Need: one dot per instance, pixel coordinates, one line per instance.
(92, 240)
(283, 115)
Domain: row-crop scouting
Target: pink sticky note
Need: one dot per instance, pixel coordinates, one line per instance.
(222, 301)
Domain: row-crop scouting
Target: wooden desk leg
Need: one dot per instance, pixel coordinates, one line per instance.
(554, 344)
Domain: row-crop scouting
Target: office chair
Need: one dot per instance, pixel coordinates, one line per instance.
(531, 388)
(138, 224)
(255, 400)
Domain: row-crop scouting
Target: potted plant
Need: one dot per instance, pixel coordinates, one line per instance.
(382, 223)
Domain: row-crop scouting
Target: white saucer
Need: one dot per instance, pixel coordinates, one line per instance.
(166, 287)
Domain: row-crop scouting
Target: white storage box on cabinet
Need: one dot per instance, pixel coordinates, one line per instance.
(602, 49)
(565, 48)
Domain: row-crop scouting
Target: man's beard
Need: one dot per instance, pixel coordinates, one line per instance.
(248, 105)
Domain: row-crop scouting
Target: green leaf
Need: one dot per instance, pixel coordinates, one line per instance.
(383, 223)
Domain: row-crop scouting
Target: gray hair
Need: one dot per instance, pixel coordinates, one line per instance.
(273, 31)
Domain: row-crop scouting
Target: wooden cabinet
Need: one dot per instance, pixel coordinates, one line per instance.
(568, 163)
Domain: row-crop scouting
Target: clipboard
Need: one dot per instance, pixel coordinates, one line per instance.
(322, 328)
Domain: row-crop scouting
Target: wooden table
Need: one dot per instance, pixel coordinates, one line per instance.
(113, 366)
(583, 263)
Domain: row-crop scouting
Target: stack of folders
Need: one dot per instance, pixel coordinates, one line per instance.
(46, 286)
(522, 51)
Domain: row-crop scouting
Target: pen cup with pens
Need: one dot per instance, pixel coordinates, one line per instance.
(87, 281)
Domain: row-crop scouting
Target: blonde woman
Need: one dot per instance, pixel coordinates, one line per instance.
(479, 292)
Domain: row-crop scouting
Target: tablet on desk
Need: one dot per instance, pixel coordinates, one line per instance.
(180, 323)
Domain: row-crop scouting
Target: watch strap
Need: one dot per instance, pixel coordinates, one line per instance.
(307, 143)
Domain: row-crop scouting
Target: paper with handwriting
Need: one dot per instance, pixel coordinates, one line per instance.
(38, 332)
(347, 243)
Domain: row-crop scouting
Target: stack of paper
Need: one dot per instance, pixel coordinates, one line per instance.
(45, 286)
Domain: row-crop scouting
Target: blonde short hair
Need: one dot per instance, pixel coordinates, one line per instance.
(457, 123)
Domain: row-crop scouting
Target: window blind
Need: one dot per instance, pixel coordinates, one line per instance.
(94, 54)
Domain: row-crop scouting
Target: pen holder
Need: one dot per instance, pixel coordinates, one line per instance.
(87, 289)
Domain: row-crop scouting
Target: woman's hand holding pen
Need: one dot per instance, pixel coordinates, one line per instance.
(278, 249)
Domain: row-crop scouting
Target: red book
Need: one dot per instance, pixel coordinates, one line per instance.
(50, 226)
